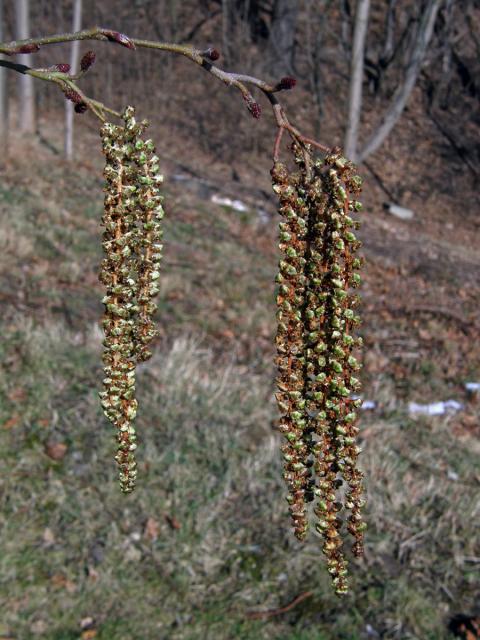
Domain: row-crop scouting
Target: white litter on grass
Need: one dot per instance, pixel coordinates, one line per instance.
(399, 212)
(435, 408)
(237, 205)
(452, 475)
(472, 386)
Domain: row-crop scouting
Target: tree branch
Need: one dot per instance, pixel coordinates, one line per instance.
(203, 58)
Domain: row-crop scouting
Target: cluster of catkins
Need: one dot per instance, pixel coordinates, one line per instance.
(315, 349)
(132, 239)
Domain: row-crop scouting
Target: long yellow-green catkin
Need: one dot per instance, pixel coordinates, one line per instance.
(150, 214)
(131, 241)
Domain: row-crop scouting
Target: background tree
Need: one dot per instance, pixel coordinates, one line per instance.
(356, 77)
(74, 56)
(415, 55)
(26, 93)
(3, 97)
(282, 34)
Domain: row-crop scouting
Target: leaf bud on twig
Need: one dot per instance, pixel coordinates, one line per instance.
(121, 38)
(253, 106)
(286, 84)
(211, 53)
(73, 95)
(63, 67)
(87, 60)
(25, 48)
(81, 107)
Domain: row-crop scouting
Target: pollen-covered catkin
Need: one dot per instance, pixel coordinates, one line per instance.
(320, 350)
(150, 214)
(130, 269)
(290, 346)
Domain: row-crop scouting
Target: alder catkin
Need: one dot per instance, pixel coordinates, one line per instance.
(130, 270)
(315, 348)
(290, 346)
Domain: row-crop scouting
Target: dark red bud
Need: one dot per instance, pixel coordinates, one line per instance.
(87, 60)
(254, 108)
(286, 83)
(81, 107)
(212, 53)
(63, 67)
(27, 48)
(121, 38)
(73, 96)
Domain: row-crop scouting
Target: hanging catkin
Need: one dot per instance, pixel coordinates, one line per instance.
(315, 347)
(290, 346)
(132, 245)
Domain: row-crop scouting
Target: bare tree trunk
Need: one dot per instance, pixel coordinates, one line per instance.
(316, 20)
(356, 78)
(26, 95)
(401, 95)
(282, 35)
(442, 90)
(388, 45)
(227, 30)
(3, 99)
(76, 26)
(346, 28)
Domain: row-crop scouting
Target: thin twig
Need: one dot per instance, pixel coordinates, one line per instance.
(199, 57)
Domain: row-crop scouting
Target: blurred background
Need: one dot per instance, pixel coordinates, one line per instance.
(203, 548)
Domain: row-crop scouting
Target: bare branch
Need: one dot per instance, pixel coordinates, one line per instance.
(198, 56)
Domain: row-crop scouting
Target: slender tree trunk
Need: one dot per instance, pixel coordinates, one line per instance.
(401, 95)
(282, 36)
(75, 50)
(227, 30)
(316, 24)
(389, 42)
(442, 90)
(346, 28)
(356, 78)
(26, 95)
(3, 99)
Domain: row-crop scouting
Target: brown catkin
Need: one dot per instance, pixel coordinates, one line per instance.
(289, 341)
(316, 335)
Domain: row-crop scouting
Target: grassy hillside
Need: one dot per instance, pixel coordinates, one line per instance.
(204, 543)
